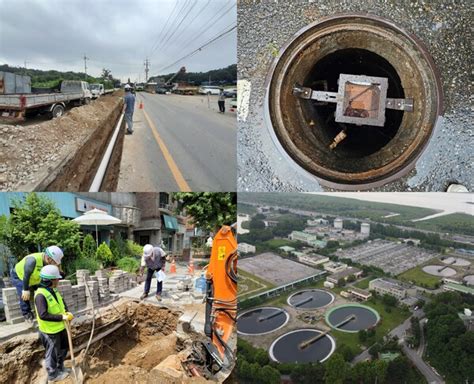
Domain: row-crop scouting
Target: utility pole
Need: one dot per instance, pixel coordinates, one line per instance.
(85, 64)
(147, 68)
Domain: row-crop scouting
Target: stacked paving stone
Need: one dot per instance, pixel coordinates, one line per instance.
(117, 282)
(92, 294)
(79, 295)
(82, 275)
(104, 290)
(65, 289)
(12, 306)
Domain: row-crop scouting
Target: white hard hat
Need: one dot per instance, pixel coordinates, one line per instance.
(54, 253)
(50, 272)
(148, 250)
(127, 86)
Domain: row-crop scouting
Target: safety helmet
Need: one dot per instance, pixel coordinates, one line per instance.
(50, 272)
(127, 86)
(148, 250)
(55, 253)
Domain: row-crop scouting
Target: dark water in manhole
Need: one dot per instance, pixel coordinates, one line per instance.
(362, 140)
(287, 349)
(364, 318)
(261, 320)
(318, 299)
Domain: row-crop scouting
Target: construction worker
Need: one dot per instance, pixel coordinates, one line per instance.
(51, 313)
(154, 259)
(25, 275)
(128, 108)
(221, 101)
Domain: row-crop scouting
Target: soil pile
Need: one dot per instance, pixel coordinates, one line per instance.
(29, 153)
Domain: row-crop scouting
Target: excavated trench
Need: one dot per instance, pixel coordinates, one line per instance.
(355, 45)
(127, 355)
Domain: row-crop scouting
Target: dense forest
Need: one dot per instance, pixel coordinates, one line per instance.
(450, 346)
(227, 75)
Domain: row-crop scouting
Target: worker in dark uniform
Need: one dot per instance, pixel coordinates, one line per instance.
(51, 313)
(221, 101)
(128, 108)
(25, 276)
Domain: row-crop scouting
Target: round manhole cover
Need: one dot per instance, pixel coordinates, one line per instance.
(353, 100)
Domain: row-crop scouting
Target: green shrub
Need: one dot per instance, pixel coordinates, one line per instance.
(134, 249)
(104, 254)
(89, 247)
(128, 264)
(115, 249)
(86, 263)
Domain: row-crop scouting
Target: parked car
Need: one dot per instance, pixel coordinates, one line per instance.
(230, 93)
(209, 90)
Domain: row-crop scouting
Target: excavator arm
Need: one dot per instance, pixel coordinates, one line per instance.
(215, 354)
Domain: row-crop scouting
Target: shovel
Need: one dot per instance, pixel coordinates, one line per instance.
(77, 371)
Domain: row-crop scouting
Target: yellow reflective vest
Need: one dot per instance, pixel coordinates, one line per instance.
(54, 308)
(35, 276)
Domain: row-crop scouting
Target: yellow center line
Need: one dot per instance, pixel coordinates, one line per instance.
(178, 176)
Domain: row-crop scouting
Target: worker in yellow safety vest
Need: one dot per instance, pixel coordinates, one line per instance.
(51, 313)
(25, 275)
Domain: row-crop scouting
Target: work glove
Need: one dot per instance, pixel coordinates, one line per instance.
(25, 295)
(68, 316)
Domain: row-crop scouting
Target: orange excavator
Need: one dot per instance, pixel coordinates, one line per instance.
(215, 357)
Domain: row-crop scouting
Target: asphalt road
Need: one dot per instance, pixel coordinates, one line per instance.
(265, 26)
(414, 355)
(179, 143)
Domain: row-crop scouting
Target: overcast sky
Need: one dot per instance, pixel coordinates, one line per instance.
(117, 34)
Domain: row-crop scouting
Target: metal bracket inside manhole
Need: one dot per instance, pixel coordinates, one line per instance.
(368, 102)
(360, 99)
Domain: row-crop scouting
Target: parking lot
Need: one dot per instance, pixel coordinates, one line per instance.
(275, 269)
(391, 257)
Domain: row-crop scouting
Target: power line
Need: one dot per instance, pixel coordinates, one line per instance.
(220, 36)
(164, 25)
(195, 18)
(171, 25)
(181, 22)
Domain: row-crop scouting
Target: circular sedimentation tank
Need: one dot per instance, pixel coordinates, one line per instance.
(439, 270)
(260, 321)
(456, 261)
(310, 299)
(469, 279)
(354, 45)
(290, 347)
(352, 317)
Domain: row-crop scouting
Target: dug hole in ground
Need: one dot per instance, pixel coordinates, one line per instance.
(149, 347)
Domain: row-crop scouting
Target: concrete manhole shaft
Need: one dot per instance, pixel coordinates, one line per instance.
(377, 128)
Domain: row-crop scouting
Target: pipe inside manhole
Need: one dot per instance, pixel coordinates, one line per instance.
(319, 58)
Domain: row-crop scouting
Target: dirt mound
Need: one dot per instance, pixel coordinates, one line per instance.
(29, 153)
(19, 358)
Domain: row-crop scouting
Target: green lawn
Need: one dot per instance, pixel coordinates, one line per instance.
(418, 277)
(364, 283)
(251, 284)
(276, 243)
(388, 320)
(455, 222)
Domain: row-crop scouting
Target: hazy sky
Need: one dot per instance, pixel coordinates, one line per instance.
(117, 34)
(448, 202)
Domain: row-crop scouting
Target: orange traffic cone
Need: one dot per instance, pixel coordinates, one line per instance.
(173, 267)
(191, 267)
(140, 106)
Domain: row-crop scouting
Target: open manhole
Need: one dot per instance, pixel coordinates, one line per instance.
(259, 321)
(439, 270)
(302, 346)
(353, 100)
(352, 317)
(310, 299)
